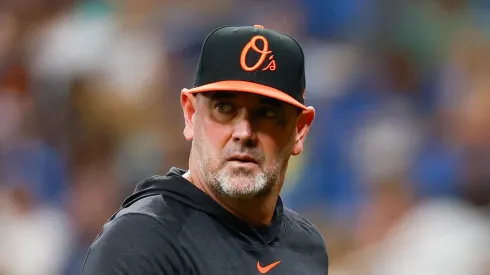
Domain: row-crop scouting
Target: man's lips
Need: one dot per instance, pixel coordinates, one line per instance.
(242, 158)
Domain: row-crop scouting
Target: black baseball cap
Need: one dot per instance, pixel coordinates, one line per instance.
(252, 59)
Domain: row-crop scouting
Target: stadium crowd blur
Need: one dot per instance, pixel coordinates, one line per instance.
(396, 172)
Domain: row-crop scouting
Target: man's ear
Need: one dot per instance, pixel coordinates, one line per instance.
(303, 125)
(188, 103)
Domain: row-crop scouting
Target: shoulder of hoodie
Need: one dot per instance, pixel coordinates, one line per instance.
(303, 228)
(161, 210)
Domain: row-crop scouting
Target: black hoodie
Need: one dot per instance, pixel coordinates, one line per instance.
(169, 226)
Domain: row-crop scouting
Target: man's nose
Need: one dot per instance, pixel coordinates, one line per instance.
(244, 132)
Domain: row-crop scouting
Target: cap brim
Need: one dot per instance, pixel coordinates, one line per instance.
(248, 87)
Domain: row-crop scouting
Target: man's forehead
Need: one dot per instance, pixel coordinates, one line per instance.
(242, 95)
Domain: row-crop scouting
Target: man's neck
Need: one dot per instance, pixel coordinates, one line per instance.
(256, 212)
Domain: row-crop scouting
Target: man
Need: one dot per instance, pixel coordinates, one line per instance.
(245, 117)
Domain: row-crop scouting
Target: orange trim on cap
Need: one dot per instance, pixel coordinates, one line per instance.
(258, 26)
(248, 87)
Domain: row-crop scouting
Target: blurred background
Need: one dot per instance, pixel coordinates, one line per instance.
(396, 172)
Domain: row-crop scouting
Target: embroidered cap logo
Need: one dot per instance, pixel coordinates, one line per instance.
(264, 52)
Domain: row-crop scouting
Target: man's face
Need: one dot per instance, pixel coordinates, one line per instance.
(242, 142)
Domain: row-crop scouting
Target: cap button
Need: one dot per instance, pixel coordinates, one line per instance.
(258, 26)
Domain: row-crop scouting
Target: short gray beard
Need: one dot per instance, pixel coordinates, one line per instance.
(242, 185)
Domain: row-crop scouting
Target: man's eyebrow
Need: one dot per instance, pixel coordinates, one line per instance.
(271, 101)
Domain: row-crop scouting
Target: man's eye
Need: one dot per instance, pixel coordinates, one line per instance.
(224, 107)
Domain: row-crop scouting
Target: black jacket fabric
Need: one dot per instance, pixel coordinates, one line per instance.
(170, 227)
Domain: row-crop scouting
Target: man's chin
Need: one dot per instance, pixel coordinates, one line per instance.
(244, 188)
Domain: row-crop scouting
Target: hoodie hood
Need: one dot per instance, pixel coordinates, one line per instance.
(172, 185)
